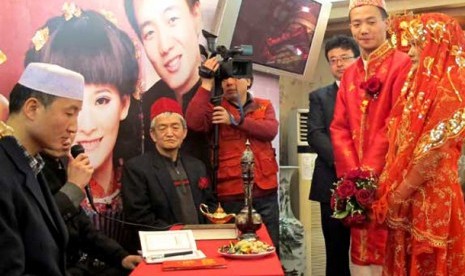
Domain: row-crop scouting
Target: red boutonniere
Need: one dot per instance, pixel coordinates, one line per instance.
(203, 183)
(372, 86)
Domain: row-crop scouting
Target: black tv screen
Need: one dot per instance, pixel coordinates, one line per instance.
(280, 31)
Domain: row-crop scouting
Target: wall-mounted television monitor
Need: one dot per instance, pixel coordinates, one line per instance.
(286, 35)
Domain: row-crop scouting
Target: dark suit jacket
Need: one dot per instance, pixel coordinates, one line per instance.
(83, 237)
(318, 136)
(33, 236)
(149, 193)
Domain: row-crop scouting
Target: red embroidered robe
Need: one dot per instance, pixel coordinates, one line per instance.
(358, 132)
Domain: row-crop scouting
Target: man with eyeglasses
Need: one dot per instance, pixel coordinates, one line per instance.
(368, 91)
(340, 51)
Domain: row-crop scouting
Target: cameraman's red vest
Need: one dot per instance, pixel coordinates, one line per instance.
(232, 145)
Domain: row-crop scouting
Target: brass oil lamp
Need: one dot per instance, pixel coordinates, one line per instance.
(218, 217)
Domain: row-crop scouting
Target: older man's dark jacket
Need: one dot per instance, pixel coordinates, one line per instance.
(149, 193)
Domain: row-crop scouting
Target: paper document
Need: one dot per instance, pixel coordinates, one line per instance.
(226, 231)
(158, 246)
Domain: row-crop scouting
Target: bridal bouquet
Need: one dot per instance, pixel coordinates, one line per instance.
(352, 197)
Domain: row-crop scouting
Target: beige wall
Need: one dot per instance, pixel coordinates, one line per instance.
(293, 93)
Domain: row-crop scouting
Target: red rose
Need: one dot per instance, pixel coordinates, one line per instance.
(353, 174)
(372, 86)
(346, 189)
(366, 175)
(364, 197)
(333, 201)
(355, 220)
(203, 183)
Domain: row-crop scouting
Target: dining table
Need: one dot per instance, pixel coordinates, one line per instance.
(253, 265)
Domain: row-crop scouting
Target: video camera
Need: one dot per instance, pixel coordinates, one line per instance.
(234, 63)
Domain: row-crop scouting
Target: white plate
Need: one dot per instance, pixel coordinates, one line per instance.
(246, 256)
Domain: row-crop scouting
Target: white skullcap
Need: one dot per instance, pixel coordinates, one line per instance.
(54, 80)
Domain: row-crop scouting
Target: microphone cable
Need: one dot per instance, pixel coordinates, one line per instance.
(124, 222)
(78, 149)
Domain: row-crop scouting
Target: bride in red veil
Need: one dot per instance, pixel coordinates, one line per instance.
(419, 196)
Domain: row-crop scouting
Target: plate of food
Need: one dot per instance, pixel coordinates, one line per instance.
(246, 249)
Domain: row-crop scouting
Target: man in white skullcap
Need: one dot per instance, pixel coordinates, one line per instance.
(44, 106)
(368, 91)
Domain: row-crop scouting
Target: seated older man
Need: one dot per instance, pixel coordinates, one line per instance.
(165, 187)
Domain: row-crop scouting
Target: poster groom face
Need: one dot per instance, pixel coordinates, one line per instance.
(169, 31)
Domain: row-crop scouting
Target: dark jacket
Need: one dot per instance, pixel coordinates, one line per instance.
(149, 193)
(33, 236)
(318, 136)
(83, 237)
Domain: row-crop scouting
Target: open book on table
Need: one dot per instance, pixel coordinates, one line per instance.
(160, 246)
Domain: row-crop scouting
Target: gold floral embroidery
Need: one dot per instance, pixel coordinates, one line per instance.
(5, 130)
(351, 88)
(109, 16)
(70, 10)
(376, 59)
(416, 30)
(2, 57)
(437, 30)
(399, 30)
(457, 93)
(427, 165)
(364, 105)
(459, 56)
(40, 38)
(437, 136)
(428, 63)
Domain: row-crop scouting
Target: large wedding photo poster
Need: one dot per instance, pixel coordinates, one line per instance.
(19, 21)
(124, 48)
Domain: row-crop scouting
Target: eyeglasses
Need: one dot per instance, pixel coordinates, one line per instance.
(342, 59)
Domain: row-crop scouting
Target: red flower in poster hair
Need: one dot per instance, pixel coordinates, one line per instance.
(203, 183)
(372, 86)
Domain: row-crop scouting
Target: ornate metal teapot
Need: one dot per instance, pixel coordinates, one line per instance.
(248, 220)
(218, 217)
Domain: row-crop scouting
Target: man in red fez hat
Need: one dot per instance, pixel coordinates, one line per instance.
(165, 187)
(368, 91)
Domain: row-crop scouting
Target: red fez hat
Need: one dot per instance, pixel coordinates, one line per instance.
(163, 105)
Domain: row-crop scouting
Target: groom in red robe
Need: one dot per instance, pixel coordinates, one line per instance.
(368, 90)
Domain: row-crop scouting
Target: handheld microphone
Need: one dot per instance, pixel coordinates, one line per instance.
(75, 151)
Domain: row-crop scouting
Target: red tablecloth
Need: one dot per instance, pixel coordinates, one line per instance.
(268, 265)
